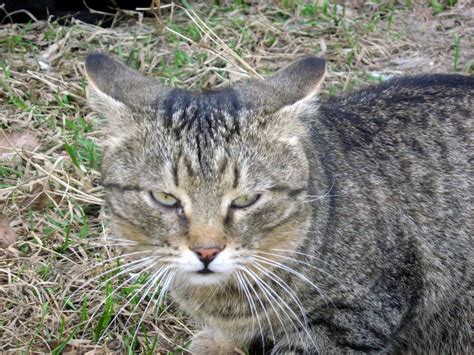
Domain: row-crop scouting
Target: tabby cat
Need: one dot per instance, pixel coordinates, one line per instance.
(287, 223)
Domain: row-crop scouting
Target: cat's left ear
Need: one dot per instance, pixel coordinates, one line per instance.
(297, 81)
(114, 87)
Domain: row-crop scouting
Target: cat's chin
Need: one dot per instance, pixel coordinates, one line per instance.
(197, 279)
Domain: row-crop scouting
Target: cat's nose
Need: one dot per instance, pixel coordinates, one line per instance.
(206, 255)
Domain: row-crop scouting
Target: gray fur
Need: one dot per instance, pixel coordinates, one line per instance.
(372, 189)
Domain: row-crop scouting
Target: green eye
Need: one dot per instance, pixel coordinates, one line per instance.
(164, 199)
(245, 201)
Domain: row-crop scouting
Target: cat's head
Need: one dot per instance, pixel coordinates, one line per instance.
(206, 180)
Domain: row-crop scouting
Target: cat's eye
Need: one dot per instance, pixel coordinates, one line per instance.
(164, 199)
(245, 201)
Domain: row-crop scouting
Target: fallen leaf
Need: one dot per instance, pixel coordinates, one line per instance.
(37, 199)
(16, 140)
(53, 53)
(410, 63)
(323, 45)
(7, 234)
(210, 82)
(114, 344)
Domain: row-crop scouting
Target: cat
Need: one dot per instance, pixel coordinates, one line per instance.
(283, 222)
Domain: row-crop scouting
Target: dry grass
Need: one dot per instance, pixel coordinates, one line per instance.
(52, 227)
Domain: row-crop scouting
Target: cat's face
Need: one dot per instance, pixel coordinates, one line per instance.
(204, 181)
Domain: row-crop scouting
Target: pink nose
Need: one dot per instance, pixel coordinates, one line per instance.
(206, 255)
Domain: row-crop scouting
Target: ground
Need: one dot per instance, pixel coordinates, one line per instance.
(55, 292)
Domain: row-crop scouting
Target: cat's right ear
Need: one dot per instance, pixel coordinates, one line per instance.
(298, 81)
(114, 88)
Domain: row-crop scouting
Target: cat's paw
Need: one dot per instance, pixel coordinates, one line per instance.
(208, 343)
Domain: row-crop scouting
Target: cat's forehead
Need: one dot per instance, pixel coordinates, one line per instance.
(212, 115)
(202, 160)
(204, 131)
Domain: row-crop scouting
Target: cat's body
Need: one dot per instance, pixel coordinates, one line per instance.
(360, 237)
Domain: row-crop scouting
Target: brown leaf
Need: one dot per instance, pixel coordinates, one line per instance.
(38, 199)
(7, 234)
(18, 140)
(411, 63)
(210, 82)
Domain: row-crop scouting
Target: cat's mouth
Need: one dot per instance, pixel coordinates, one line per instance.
(205, 271)
(206, 277)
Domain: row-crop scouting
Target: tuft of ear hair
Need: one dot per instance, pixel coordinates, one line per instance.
(111, 78)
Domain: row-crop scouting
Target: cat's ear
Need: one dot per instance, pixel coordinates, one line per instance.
(113, 86)
(297, 81)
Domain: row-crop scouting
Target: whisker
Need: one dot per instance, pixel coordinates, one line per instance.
(261, 305)
(303, 254)
(252, 306)
(166, 275)
(106, 239)
(106, 243)
(244, 294)
(275, 278)
(267, 296)
(151, 264)
(286, 268)
(117, 314)
(319, 198)
(146, 261)
(303, 325)
(110, 245)
(108, 261)
(164, 291)
(152, 282)
(161, 275)
(302, 263)
(128, 267)
(326, 194)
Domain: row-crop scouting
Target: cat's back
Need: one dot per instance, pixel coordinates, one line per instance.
(413, 133)
(410, 89)
(405, 147)
(404, 129)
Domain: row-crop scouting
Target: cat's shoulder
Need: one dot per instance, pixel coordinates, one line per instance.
(429, 81)
(433, 86)
(416, 92)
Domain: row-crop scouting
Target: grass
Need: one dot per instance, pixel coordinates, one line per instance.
(50, 191)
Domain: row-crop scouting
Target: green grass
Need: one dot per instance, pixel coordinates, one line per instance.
(82, 150)
(107, 313)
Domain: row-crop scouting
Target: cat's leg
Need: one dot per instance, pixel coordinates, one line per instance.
(208, 341)
(301, 343)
